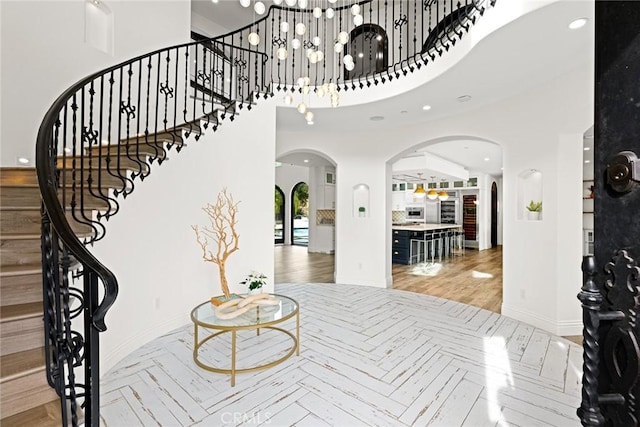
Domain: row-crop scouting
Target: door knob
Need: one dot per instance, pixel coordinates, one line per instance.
(623, 171)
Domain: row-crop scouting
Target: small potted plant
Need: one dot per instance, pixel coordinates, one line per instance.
(534, 209)
(255, 282)
(362, 211)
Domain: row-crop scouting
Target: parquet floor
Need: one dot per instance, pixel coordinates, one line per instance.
(369, 357)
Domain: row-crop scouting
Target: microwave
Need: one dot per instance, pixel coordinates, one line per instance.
(414, 214)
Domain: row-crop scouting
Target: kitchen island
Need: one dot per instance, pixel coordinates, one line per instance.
(402, 234)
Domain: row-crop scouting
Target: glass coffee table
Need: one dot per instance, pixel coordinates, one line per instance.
(260, 317)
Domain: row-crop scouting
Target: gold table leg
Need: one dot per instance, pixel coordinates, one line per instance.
(298, 332)
(233, 358)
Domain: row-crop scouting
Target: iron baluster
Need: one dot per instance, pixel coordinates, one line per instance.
(591, 299)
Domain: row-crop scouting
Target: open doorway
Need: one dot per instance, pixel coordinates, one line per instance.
(279, 216)
(300, 214)
(494, 215)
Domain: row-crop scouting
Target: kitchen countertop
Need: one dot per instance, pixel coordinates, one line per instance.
(424, 227)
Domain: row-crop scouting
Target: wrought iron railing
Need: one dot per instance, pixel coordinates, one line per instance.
(106, 131)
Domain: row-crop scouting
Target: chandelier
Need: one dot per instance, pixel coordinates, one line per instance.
(302, 24)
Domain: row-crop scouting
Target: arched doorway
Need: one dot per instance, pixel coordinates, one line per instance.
(300, 214)
(494, 215)
(369, 48)
(279, 216)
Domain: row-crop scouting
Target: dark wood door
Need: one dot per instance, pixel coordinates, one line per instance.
(610, 295)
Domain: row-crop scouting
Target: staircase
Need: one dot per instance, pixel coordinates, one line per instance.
(25, 396)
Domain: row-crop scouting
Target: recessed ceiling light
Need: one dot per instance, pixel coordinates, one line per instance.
(23, 160)
(403, 112)
(214, 1)
(466, 147)
(310, 122)
(464, 98)
(486, 159)
(306, 160)
(587, 161)
(426, 107)
(587, 148)
(376, 118)
(578, 23)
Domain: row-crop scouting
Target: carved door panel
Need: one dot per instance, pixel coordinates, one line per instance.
(611, 295)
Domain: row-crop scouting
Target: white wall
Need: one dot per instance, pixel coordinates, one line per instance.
(152, 249)
(529, 128)
(43, 52)
(287, 176)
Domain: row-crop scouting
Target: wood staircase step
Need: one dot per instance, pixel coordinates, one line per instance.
(20, 284)
(16, 365)
(21, 249)
(28, 221)
(106, 161)
(136, 151)
(24, 383)
(21, 328)
(17, 176)
(46, 415)
(28, 196)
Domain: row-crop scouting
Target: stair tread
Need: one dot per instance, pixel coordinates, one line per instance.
(20, 311)
(19, 236)
(19, 270)
(46, 415)
(22, 363)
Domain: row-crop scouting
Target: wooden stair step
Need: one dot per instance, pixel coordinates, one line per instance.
(136, 151)
(20, 249)
(24, 383)
(20, 284)
(21, 327)
(16, 365)
(45, 415)
(18, 176)
(29, 196)
(28, 221)
(111, 161)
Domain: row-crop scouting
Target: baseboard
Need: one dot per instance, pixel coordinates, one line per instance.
(561, 328)
(109, 360)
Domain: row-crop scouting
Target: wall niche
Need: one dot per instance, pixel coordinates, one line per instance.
(361, 201)
(529, 192)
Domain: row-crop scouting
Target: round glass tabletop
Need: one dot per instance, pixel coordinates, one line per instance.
(262, 315)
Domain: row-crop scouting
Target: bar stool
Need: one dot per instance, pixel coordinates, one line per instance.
(438, 245)
(429, 246)
(459, 240)
(417, 251)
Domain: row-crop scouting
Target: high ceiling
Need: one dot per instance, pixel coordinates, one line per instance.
(528, 52)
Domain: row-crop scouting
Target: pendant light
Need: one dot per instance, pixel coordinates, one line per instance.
(442, 195)
(419, 191)
(432, 194)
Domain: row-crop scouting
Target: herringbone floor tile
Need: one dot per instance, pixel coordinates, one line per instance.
(369, 357)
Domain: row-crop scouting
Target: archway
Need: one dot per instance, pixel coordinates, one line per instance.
(279, 216)
(464, 167)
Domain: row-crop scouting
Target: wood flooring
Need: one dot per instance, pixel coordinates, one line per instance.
(474, 278)
(368, 357)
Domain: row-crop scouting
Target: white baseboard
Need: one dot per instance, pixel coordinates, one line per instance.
(561, 328)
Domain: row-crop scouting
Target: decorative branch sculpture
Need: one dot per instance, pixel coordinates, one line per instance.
(222, 232)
